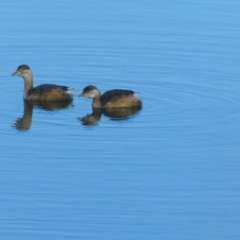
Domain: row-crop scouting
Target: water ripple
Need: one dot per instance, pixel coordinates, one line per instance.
(178, 103)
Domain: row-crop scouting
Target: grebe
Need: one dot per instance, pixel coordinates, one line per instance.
(116, 98)
(44, 92)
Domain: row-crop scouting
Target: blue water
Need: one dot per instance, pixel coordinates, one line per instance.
(169, 171)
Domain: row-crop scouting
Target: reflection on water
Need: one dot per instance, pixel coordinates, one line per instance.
(24, 123)
(113, 113)
(51, 106)
(92, 118)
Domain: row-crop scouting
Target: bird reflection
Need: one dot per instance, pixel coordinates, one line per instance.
(51, 106)
(24, 123)
(113, 113)
(92, 118)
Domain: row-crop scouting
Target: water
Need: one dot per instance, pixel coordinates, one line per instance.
(169, 171)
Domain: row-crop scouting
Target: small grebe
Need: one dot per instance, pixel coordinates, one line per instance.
(44, 92)
(116, 98)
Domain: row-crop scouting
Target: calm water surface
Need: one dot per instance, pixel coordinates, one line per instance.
(169, 171)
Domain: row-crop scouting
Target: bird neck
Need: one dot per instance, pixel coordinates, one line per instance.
(97, 99)
(28, 84)
(96, 103)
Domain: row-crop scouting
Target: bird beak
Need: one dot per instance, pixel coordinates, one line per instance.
(81, 95)
(15, 73)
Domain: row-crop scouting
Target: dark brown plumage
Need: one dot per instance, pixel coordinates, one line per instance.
(116, 98)
(44, 92)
